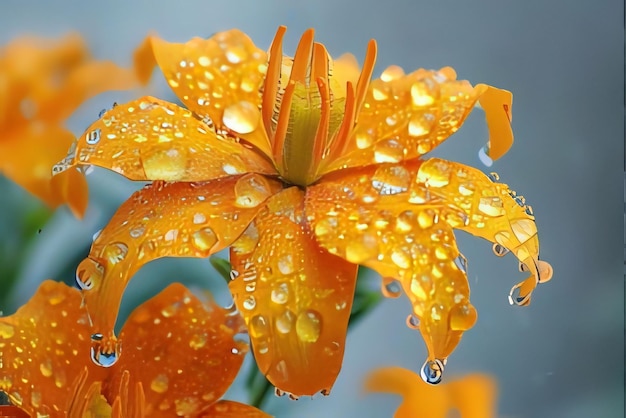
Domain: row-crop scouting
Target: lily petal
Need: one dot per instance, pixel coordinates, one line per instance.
(295, 297)
(492, 211)
(406, 116)
(45, 349)
(230, 409)
(166, 220)
(174, 333)
(370, 217)
(219, 78)
(151, 139)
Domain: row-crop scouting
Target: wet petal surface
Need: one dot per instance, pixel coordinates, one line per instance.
(165, 220)
(151, 139)
(295, 297)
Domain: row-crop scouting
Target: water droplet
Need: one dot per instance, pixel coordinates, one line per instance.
(436, 174)
(199, 218)
(483, 156)
(35, 399)
(360, 250)
(102, 357)
(500, 250)
(379, 94)
(405, 222)
(197, 341)
(393, 72)
(204, 239)
(89, 274)
(427, 218)
(249, 303)
(285, 264)
(516, 297)
(309, 326)
(46, 368)
(412, 321)
(251, 190)
(391, 288)
(168, 165)
(160, 383)
(137, 232)
(417, 287)
(466, 189)
(96, 235)
(491, 206)
(363, 140)
(420, 125)
(284, 322)
(390, 180)
(93, 137)
(280, 294)
(432, 371)
(115, 252)
(401, 258)
(241, 117)
(389, 151)
(493, 176)
(461, 263)
(258, 327)
(462, 317)
(6, 330)
(423, 93)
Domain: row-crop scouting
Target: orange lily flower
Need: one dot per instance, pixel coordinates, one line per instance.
(180, 356)
(305, 170)
(41, 84)
(473, 396)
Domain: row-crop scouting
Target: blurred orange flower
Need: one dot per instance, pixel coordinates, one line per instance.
(179, 358)
(473, 396)
(305, 169)
(42, 83)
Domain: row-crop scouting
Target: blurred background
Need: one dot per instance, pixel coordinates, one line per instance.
(564, 62)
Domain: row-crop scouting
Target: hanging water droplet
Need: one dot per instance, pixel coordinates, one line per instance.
(89, 274)
(391, 288)
(493, 176)
(309, 326)
(93, 137)
(241, 117)
(432, 371)
(412, 321)
(461, 263)
(517, 298)
(101, 357)
(500, 250)
(483, 156)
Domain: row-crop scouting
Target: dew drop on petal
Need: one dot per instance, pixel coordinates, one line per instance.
(250, 303)
(197, 341)
(363, 140)
(391, 288)
(6, 330)
(168, 165)
(280, 294)
(309, 326)
(101, 357)
(462, 317)
(420, 125)
(115, 252)
(401, 258)
(251, 190)
(204, 239)
(89, 274)
(285, 264)
(388, 151)
(432, 371)
(241, 117)
(159, 384)
(284, 322)
(491, 206)
(258, 326)
(422, 93)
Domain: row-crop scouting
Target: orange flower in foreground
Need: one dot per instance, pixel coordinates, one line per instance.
(305, 169)
(41, 84)
(179, 359)
(473, 396)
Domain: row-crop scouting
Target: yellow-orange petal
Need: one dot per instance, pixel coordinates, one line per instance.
(220, 78)
(230, 409)
(45, 348)
(473, 396)
(492, 211)
(25, 160)
(405, 116)
(182, 352)
(370, 217)
(166, 220)
(295, 297)
(151, 139)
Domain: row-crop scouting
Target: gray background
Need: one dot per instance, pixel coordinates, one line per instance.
(564, 61)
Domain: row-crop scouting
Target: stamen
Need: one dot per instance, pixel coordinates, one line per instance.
(321, 136)
(272, 77)
(366, 75)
